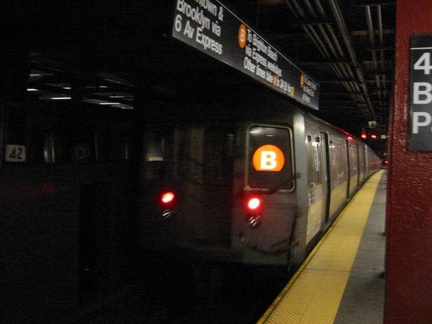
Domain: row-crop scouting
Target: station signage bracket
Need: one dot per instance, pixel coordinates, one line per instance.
(212, 28)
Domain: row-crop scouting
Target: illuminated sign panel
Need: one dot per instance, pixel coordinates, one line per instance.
(212, 28)
(420, 133)
(268, 158)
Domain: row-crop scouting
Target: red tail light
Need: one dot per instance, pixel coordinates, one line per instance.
(168, 201)
(253, 211)
(167, 198)
(254, 204)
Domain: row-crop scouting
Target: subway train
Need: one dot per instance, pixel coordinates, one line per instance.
(253, 181)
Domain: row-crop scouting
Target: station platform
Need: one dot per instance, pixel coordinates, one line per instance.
(342, 280)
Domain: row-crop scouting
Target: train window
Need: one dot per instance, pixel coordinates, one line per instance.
(42, 147)
(114, 147)
(81, 142)
(57, 136)
(65, 145)
(270, 160)
(314, 160)
(49, 155)
(310, 160)
(336, 157)
(158, 153)
(218, 156)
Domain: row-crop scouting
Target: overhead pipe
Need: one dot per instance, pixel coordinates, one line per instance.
(342, 70)
(345, 36)
(381, 40)
(380, 33)
(371, 33)
(299, 13)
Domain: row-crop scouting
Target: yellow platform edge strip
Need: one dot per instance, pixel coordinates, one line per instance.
(305, 263)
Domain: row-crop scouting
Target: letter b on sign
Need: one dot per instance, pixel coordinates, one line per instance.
(268, 158)
(422, 93)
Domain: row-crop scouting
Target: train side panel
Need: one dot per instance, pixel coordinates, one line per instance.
(336, 166)
(327, 176)
(318, 179)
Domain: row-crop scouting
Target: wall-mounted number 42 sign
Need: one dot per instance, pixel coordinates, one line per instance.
(15, 153)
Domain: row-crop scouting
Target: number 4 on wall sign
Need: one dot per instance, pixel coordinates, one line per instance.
(15, 153)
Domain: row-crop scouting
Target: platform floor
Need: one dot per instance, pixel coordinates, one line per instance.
(342, 280)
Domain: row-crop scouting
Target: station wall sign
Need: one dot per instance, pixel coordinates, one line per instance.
(420, 131)
(209, 26)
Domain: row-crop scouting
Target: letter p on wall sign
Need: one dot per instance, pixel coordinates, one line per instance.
(268, 158)
(420, 132)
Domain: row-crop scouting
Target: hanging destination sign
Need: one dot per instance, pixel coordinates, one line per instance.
(212, 28)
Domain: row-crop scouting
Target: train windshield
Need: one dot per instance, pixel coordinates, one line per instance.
(270, 158)
(159, 153)
(199, 154)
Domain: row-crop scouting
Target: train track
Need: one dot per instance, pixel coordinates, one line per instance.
(179, 292)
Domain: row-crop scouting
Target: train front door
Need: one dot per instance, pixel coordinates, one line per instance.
(207, 196)
(317, 152)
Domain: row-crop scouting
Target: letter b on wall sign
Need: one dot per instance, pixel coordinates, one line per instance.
(268, 158)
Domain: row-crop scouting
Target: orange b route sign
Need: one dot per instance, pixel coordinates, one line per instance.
(268, 158)
(242, 36)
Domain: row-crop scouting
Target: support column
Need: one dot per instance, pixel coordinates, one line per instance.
(409, 209)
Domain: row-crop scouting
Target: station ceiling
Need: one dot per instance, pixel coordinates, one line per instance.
(110, 52)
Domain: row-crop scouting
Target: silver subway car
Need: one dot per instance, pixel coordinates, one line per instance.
(254, 188)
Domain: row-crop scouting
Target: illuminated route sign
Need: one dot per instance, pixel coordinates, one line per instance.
(420, 133)
(212, 28)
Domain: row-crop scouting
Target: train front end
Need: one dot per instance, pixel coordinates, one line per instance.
(222, 194)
